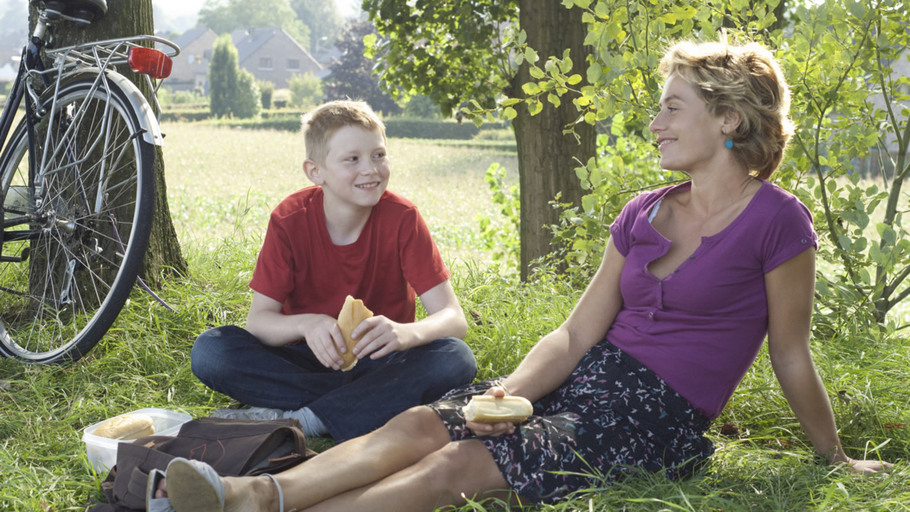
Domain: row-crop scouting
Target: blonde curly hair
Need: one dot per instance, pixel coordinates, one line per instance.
(747, 80)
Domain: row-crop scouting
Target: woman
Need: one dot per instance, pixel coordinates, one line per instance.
(693, 278)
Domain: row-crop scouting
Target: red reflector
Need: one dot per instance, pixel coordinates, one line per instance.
(150, 62)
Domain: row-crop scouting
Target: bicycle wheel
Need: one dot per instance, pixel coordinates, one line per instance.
(76, 226)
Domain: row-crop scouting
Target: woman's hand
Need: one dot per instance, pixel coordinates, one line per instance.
(867, 467)
(492, 429)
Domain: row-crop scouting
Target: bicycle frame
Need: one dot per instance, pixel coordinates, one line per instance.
(100, 57)
(77, 188)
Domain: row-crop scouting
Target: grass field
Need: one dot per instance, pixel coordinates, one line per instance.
(243, 181)
(222, 184)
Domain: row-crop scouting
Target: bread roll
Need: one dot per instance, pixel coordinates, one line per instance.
(489, 409)
(127, 427)
(352, 313)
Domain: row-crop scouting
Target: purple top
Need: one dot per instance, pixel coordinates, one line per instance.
(701, 327)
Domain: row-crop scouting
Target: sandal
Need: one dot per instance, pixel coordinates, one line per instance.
(280, 494)
(153, 504)
(193, 486)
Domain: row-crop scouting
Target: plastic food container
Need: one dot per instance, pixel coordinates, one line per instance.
(102, 451)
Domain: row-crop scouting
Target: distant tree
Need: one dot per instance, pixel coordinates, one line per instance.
(224, 17)
(352, 73)
(223, 76)
(13, 28)
(234, 91)
(323, 20)
(306, 90)
(423, 107)
(247, 98)
(266, 90)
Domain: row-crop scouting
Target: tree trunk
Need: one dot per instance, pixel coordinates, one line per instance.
(546, 157)
(126, 18)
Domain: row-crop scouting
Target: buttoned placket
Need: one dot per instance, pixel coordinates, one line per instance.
(652, 315)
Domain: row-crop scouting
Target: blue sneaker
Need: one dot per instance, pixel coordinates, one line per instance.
(253, 413)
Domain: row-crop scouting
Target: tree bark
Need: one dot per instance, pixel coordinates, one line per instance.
(127, 18)
(546, 157)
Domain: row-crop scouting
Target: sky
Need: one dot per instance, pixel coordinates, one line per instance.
(191, 7)
(179, 8)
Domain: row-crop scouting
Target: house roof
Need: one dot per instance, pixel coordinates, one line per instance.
(187, 38)
(184, 40)
(248, 41)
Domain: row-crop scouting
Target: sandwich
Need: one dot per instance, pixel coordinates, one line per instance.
(352, 313)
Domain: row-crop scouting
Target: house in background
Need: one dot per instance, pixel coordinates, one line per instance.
(8, 71)
(190, 69)
(272, 55)
(9, 66)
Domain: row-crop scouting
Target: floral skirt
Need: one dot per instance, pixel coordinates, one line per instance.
(610, 416)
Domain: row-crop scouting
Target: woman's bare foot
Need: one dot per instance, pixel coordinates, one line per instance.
(243, 494)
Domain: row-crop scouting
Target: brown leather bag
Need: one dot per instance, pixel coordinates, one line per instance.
(232, 447)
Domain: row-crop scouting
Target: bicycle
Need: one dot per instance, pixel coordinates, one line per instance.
(76, 184)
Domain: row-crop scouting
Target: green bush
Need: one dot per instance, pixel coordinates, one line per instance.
(186, 99)
(414, 128)
(493, 135)
(306, 89)
(175, 114)
(288, 123)
(223, 71)
(266, 90)
(247, 102)
(422, 107)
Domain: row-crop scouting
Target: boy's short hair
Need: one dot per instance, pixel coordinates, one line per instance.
(320, 124)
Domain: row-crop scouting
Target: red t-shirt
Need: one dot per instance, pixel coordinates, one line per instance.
(393, 260)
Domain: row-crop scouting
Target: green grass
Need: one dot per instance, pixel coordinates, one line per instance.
(221, 187)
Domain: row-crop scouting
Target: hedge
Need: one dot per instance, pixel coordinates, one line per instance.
(396, 127)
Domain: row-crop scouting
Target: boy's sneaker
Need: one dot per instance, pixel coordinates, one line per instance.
(253, 413)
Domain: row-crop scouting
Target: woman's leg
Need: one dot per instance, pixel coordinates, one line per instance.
(404, 441)
(457, 471)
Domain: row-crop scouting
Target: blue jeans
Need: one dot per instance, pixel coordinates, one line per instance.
(232, 361)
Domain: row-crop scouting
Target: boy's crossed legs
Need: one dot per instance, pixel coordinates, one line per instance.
(232, 361)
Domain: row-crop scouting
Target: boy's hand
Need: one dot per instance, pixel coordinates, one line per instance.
(325, 340)
(379, 337)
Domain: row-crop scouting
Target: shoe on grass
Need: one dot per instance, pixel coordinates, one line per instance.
(253, 413)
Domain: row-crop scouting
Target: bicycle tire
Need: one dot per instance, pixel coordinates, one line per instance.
(91, 197)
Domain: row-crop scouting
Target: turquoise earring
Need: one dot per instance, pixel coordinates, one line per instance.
(728, 144)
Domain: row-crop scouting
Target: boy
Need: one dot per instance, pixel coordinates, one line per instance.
(346, 235)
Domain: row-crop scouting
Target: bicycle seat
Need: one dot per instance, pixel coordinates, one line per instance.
(86, 11)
